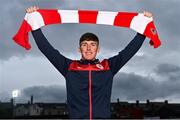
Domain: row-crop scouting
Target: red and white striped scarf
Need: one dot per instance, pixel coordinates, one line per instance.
(43, 17)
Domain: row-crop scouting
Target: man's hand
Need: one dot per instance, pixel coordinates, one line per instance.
(32, 9)
(147, 14)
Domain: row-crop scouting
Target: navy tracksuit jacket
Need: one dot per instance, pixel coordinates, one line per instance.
(88, 83)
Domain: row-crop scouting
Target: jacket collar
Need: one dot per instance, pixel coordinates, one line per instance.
(95, 61)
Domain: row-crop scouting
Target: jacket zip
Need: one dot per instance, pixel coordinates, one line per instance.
(90, 94)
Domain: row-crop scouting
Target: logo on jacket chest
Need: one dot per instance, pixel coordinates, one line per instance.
(95, 66)
(99, 66)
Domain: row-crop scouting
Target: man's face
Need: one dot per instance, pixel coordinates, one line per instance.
(89, 50)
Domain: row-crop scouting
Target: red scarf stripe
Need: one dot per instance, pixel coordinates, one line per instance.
(50, 16)
(21, 36)
(151, 32)
(86, 16)
(123, 19)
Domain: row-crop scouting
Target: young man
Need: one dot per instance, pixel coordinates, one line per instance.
(88, 81)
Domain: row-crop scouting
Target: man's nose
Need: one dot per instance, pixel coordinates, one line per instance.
(88, 47)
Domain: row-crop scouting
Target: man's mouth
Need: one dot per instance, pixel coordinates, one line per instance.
(88, 53)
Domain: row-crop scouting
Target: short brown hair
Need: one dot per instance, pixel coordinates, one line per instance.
(88, 37)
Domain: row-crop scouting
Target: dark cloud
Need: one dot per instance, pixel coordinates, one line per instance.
(172, 72)
(165, 69)
(44, 93)
(130, 86)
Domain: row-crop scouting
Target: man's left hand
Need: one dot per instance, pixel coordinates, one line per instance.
(147, 14)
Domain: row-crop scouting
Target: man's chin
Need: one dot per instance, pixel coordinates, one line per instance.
(87, 58)
(90, 59)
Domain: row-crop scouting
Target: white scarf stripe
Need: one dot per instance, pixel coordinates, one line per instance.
(35, 23)
(106, 18)
(69, 16)
(139, 23)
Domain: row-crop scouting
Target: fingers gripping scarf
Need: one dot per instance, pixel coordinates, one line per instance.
(42, 17)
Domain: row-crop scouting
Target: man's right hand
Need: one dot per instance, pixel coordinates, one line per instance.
(32, 9)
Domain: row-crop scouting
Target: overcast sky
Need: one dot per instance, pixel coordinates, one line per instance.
(151, 74)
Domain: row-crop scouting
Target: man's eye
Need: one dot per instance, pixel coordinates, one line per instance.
(93, 44)
(83, 44)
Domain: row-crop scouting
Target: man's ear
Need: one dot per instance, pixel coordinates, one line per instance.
(98, 49)
(79, 50)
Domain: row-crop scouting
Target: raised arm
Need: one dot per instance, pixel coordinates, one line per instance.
(118, 61)
(53, 55)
